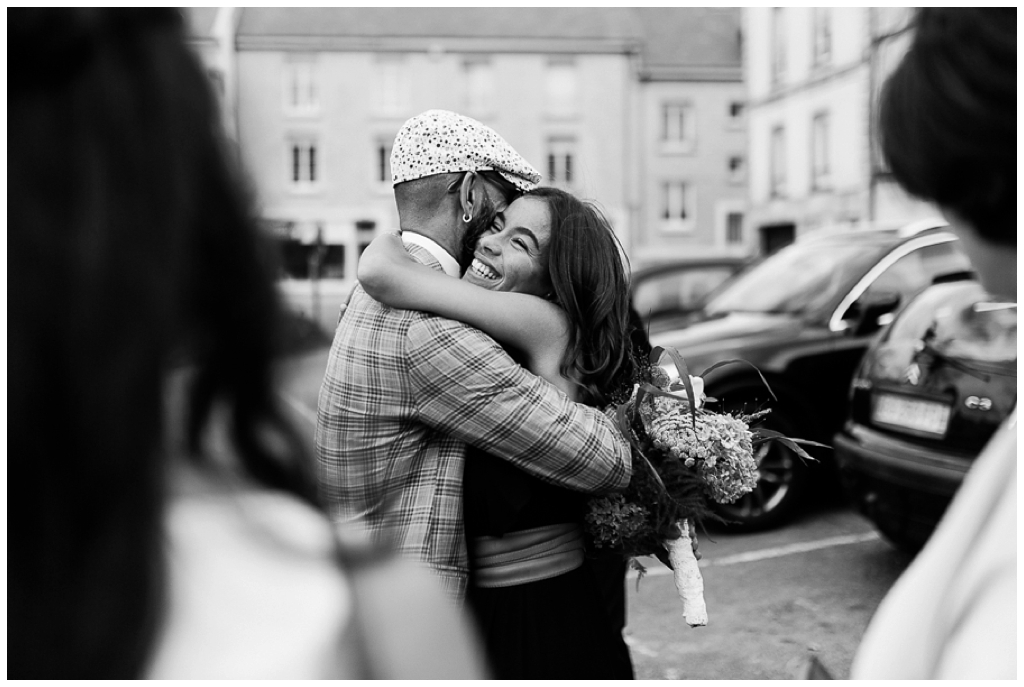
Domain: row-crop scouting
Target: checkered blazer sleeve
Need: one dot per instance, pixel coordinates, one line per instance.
(467, 386)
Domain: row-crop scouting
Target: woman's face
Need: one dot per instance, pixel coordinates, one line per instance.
(513, 254)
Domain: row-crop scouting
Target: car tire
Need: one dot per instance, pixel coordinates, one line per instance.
(890, 517)
(898, 536)
(784, 482)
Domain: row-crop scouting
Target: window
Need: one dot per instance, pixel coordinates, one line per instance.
(734, 228)
(305, 165)
(391, 85)
(678, 127)
(479, 83)
(382, 162)
(737, 115)
(820, 170)
(561, 87)
(561, 161)
(301, 93)
(778, 46)
(737, 169)
(676, 206)
(778, 163)
(822, 22)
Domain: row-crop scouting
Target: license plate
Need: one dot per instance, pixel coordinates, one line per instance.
(911, 414)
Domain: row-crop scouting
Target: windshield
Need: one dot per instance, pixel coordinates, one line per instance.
(798, 279)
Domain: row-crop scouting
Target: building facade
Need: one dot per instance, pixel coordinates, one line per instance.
(813, 75)
(638, 110)
(322, 93)
(691, 180)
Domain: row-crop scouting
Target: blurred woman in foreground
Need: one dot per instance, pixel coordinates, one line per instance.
(161, 520)
(948, 130)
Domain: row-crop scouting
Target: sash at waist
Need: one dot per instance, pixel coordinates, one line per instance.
(527, 555)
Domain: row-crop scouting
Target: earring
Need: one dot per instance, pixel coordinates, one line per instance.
(467, 218)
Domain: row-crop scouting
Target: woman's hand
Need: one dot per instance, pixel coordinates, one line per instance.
(662, 555)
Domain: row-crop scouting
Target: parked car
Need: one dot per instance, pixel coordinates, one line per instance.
(804, 317)
(665, 294)
(927, 397)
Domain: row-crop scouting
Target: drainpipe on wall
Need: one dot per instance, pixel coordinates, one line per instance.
(630, 148)
(225, 26)
(872, 125)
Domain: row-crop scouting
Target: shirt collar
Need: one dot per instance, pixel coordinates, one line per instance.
(449, 264)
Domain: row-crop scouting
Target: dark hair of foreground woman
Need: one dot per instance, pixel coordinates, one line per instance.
(132, 252)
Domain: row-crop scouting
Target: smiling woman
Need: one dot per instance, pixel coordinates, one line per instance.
(548, 280)
(554, 288)
(513, 254)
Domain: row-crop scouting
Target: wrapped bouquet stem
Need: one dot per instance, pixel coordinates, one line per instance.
(686, 575)
(685, 459)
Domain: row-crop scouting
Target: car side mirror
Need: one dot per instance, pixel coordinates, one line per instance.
(871, 312)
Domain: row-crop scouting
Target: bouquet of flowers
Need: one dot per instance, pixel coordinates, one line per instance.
(684, 458)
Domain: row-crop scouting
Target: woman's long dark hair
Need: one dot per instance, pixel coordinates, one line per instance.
(132, 249)
(588, 271)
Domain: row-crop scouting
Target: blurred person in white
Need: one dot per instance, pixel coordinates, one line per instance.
(948, 122)
(164, 522)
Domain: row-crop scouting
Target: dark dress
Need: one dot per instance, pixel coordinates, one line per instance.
(558, 628)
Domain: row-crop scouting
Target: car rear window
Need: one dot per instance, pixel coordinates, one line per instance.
(962, 321)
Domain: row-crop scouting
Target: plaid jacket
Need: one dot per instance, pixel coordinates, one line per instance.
(403, 395)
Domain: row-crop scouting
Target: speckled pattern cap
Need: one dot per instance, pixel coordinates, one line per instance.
(439, 142)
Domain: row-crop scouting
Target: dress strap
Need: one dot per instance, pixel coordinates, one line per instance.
(527, 555)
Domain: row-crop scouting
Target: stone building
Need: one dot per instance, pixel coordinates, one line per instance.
(640, 110)
(691, 177)
(813, 75)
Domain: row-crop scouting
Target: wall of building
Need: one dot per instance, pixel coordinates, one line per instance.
(349, 122)
(699, 158)
(841, 90)
(361, 101)
(844, 198)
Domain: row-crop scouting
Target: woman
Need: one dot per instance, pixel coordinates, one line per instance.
(948, 122)
(164, 524)
(548, 281)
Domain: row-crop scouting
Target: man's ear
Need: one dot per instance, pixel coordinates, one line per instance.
(468, 193)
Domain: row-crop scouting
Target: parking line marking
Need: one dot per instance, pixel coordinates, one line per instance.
(774, 552)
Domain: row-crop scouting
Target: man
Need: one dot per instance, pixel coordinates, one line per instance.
(405, 392)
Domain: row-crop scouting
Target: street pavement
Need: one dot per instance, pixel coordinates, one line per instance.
(774, 598)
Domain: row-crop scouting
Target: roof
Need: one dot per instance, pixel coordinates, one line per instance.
(550, 29)
(675, 43)
(690, 43)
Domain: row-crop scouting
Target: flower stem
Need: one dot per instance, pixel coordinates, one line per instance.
(687, 577)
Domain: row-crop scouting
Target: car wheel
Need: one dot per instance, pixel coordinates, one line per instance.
(782, 485)
(891, 518)
(899, 536)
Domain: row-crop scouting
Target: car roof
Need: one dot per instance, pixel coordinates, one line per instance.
(878, 233)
